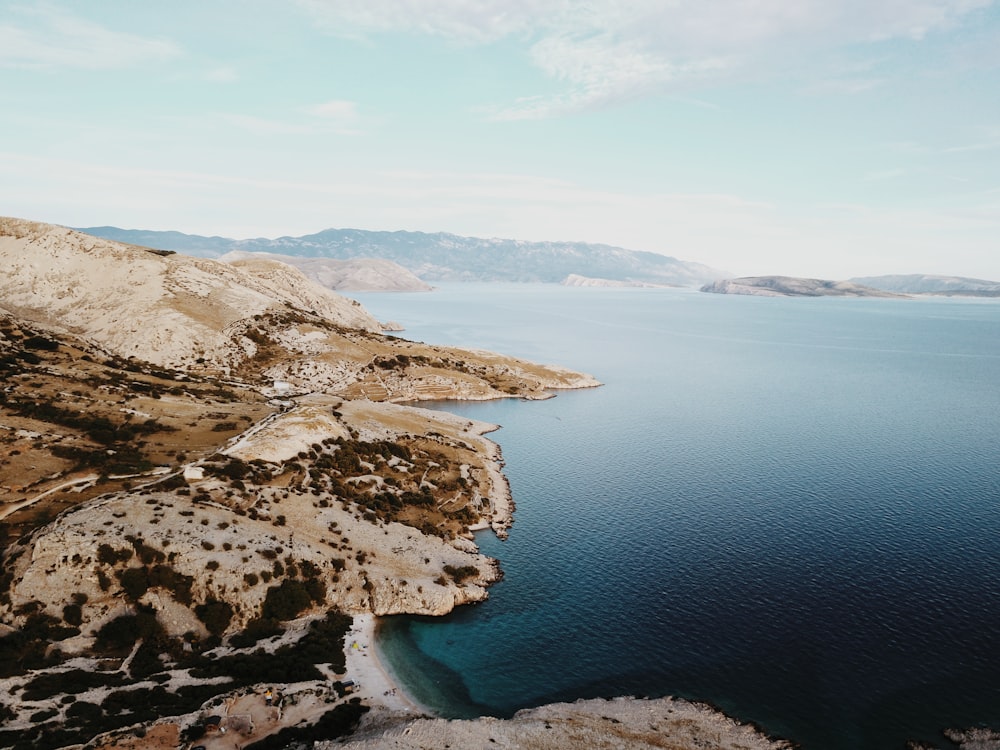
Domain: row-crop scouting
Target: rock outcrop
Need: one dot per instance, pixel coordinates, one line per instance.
(620, 723)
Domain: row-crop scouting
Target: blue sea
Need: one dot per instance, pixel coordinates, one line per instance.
(789, 508)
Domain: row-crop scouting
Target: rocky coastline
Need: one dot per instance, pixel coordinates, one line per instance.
(198, 456)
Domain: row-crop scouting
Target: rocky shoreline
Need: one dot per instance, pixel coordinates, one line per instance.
(626, 723)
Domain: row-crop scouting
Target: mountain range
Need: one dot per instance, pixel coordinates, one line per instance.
(445, 257)
(790, 286)
(916, 283)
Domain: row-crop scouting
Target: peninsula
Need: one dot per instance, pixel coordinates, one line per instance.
(198, 455)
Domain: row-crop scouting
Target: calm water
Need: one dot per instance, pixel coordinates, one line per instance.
(787, 507)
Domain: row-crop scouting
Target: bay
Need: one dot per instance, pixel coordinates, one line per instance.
(785, 507)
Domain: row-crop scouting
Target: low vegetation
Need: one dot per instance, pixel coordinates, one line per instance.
(127, 697)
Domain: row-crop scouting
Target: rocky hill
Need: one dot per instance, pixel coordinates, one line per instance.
(951, 286)
(447, 257)
(789, 286)
(195, 455)
(164, 308)
(354, 275)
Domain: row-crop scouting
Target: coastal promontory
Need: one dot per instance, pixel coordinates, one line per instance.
(206, 466)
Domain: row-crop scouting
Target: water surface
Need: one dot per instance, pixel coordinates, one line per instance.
(786, 507)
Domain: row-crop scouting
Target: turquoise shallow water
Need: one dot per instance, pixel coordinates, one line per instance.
(787, 507)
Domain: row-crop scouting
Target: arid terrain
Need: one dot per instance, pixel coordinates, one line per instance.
(195, 456)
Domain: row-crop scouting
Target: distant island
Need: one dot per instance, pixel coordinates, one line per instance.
(445, 257)
(790, 286)
(929, 284)
(576, 280)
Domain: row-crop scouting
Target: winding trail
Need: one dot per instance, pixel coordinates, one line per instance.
(88, 479)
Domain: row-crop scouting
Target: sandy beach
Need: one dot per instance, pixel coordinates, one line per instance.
(374, 682)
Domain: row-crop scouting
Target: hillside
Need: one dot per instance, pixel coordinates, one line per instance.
(355, 275)
(447, 257)
(952, 286)
(788, 286)
(198, 457)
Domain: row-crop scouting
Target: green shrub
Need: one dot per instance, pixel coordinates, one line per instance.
(73, 614)
(124, 631)
(135, 582)
(286, 600)
(110, 556)
(256, 630)
(215, 615)
(459, 574)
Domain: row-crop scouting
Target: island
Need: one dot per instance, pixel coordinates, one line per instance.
(791, 286)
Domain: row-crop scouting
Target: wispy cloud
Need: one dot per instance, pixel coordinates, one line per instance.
(265, 126)
(607, 51)
(222, 74)
(881, 175)
(46, 37)
(336, 117)
(992, 145)
(599, 71)
(460, 20)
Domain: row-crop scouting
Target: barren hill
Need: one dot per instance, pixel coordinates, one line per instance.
(163, 308)
(354, 274)
(199, 453)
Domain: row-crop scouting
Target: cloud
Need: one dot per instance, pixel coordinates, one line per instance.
(48, 38)
(881, 175)
(265, 126)
(222, 74)
(461, 20)
(338, 116)
(336, 109)
(992, 145)
(607, 51)
(600, 71)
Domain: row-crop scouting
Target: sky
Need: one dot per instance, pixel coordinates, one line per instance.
(823, 138)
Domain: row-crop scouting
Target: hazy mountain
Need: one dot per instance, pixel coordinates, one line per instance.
(192, 244)
(930, 284)
(447, 257)
(789, 286)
